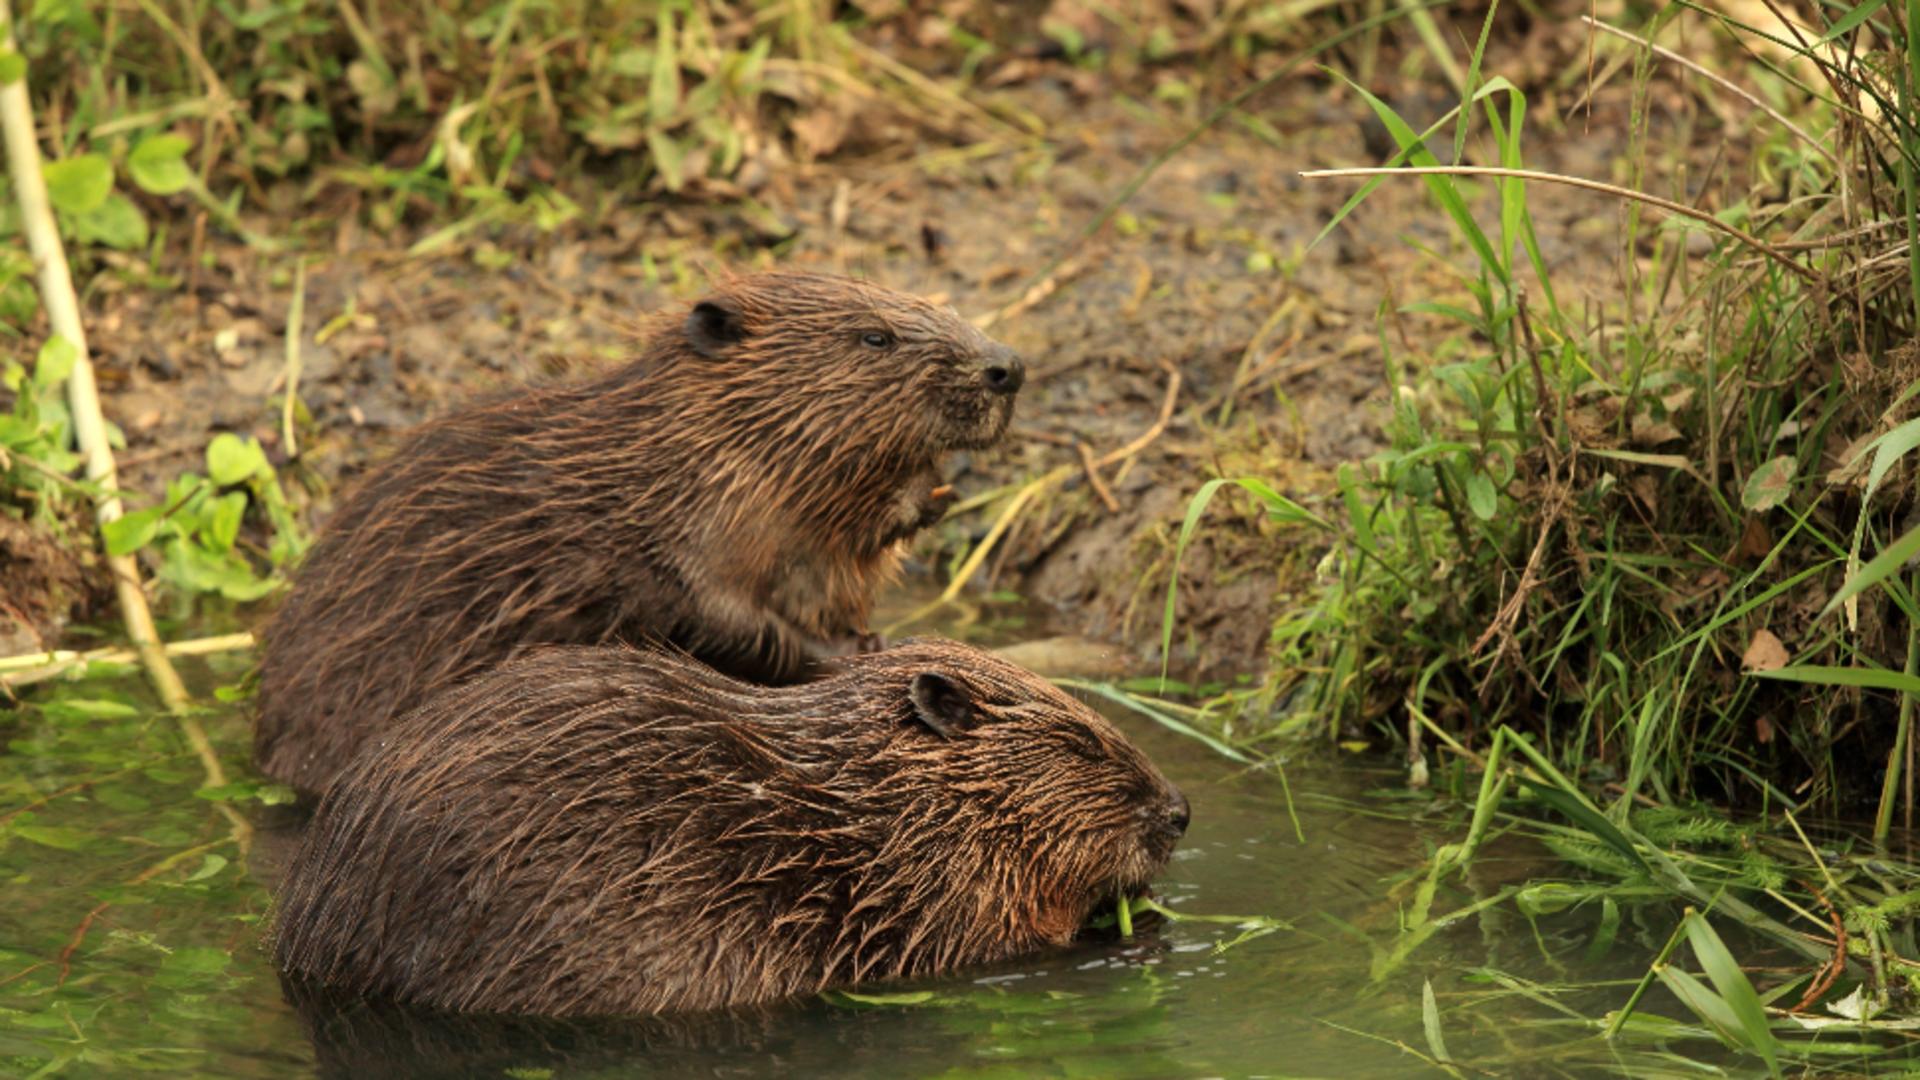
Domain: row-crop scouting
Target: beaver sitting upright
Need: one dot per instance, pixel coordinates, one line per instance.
(739, 492)
(601, 830)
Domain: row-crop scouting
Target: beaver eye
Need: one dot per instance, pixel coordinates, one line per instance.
(875, 339)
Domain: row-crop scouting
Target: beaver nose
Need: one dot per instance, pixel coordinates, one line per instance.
(1179, 813)
(1005, 375)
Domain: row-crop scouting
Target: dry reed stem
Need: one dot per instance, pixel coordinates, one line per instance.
(1719, 80)
(296, 311)
(39, 667)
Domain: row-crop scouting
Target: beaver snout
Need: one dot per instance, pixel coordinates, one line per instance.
(1179, 814)
(1004, 374)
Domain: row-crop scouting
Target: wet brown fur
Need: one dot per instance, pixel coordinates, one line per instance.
(600, 831)
(738, 492)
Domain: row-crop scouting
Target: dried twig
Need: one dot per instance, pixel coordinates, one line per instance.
(39, 667)
(1719, 80)
(1093, 478)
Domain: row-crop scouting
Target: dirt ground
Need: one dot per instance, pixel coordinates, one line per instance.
(1202, 274)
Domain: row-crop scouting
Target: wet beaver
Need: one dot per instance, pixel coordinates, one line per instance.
(601, 830)
(738, 492)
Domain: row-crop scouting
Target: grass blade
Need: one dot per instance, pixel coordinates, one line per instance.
(1735, 989)
(1867, 678)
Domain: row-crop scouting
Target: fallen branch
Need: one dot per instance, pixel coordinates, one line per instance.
(39, 667)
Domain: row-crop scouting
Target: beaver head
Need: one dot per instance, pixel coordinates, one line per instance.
(610, 831)
(739, 491)
(867, 366)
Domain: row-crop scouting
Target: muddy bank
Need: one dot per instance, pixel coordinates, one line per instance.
(1205, 273)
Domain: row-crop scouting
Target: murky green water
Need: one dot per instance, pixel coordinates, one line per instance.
(129, 941)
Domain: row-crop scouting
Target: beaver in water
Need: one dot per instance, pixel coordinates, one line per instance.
(738, 492)
(601, 830)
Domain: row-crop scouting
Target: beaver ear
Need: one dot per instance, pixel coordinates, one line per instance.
(713, 325)
(941, 704)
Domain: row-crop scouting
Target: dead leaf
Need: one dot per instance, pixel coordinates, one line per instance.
(1650, 432)
(1764, 653)
(1755, 540)
(1763, 729)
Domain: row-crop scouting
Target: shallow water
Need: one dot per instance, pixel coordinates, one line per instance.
(129, 939)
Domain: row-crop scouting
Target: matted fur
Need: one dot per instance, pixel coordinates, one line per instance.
(598, 831)
(739, 499)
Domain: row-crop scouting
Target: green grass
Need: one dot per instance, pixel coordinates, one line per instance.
(1584, 528)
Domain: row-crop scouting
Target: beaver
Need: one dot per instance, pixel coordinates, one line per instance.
(599, 830)
(739, 492)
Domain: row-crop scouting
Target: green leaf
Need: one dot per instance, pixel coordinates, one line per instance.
(209, 866)
(58, 837)
(231, 459)
(669, 159)
(1481, 496)
(223, 520)
(1889, 449)
(1853, 17)
(13, 67)
(66, 708)
(54, 363)
(129, 533)
(1892, 558)
(1734, 989)
(1868, 678)
(78, 184)
(907, 997)
(117, 223)
(183, 966)
(1587, 818)
(1770, 484)
(663, 89)
(159, 164)
(1430, 1020)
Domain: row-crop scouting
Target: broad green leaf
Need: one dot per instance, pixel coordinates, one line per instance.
(159, 164)
(209, 866)
(1430, 1020)
(1734, 988)
(54, 363)
(1770, 484)
(67, 708)
(1890, 559)
(13, 67)
(1480, 496)
(1852, 18)
(663, 88)
(78, 184)
(129, 533)
(59, 837)
(1587, 818)
(1706, 1004)
(223, 520)
(1888, 449)
(669, 159)
(231, 459)
(116, 223)
(906, 997)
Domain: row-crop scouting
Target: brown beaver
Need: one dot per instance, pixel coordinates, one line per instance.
(738, 492)
(601, 830)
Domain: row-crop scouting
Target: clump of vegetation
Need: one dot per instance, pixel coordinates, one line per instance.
(1659, 554)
